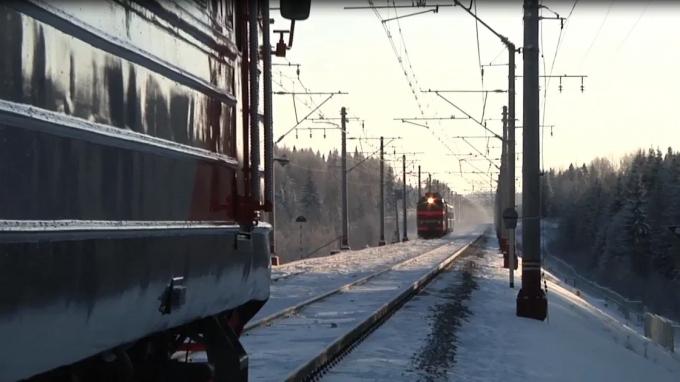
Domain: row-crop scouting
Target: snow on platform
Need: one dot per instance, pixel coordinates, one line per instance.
(277, 349)
(578, 342)
(464, 328)
(298, 281)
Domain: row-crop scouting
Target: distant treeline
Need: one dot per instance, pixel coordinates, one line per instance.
(614, 221)
(309, 185)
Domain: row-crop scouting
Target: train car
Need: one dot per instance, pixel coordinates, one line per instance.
(435, 217)
(131, 187)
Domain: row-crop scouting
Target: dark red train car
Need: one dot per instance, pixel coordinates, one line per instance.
(435, 217)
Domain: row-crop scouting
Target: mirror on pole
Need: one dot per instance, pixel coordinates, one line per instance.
(295, 9)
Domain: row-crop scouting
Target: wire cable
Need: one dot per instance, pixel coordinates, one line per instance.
(479, 52)
(599, 30)
(632, 27)
(406, 67)
(546, 81)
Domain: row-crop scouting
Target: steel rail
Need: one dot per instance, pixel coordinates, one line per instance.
(328, 357)
(299, 306)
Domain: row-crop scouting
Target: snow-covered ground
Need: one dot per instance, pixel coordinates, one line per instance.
(597, 295)
(298, 281)
(446, 333)
(579, 342)
(418, 342)
(277, 349)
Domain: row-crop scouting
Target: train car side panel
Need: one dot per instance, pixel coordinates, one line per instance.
(122, 162)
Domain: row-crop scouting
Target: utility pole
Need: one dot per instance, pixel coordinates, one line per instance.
(531, 299)
(420, 193)
(403, 196)
(429, 183)
(344, 244)
(503, 189)
(509, 215)
(510, 136)
(382, 193)
(459, 212)
(396, 221)
(510, 121)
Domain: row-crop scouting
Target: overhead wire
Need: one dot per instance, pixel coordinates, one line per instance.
(546, 80)
(479, 51)
(597, 34)
(406, 65)
(632, 27)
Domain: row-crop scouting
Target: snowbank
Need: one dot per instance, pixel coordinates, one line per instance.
(579, 341)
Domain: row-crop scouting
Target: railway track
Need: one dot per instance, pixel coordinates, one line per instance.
(302, 341)
(292, 283)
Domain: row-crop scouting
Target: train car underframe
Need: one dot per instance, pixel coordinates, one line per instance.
(151, 358)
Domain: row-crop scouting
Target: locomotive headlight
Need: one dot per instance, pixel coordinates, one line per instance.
(430, 200)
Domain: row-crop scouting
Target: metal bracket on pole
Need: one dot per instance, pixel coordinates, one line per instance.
(438, 93)
(317, 107)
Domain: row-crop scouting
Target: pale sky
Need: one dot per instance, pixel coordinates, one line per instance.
(630, 52)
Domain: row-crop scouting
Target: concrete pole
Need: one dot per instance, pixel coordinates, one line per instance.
(344, 244)
(503, 186)
(429, 183)
(268, 122)
(403, 198)
(459, 212)
(382, 193)
(511, 149)
(511, 256)
(511, 122)
(396, 220)
(531, 300)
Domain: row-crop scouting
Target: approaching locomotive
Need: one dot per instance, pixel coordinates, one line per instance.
(130, 196)
(435, 217)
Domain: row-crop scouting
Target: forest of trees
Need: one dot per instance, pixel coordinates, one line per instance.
(614, 223)
(309, 185)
